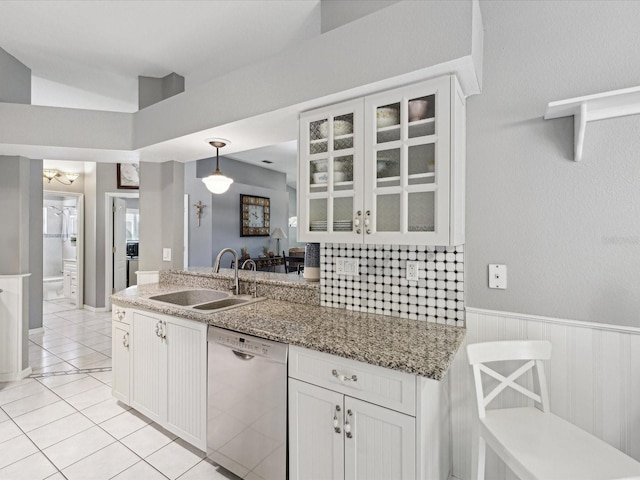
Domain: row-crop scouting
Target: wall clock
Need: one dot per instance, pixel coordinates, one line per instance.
(255, 216)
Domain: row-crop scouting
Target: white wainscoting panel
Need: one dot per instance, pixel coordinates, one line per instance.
(593, 378)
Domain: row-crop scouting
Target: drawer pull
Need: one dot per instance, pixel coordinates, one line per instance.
(344, 378)
(347, 424)
(336, 427)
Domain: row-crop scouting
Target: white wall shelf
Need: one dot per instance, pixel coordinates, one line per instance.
(599, 106)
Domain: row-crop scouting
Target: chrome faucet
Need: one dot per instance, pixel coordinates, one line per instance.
(216, 266)
(251, 263)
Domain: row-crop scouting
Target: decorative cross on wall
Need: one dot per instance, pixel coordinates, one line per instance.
(199, 207)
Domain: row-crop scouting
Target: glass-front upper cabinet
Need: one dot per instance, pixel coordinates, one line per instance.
(408, 164)
(330, 173)
(386, 169)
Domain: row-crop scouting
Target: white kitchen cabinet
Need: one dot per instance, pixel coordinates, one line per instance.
(169, 373)
(351, 420)
(120, 355)
(385, 169)
(382, 444)
(334, 436)
(316, 439)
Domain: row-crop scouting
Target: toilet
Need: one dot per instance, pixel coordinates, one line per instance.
(52, 288)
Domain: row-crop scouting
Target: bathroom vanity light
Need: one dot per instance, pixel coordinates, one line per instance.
(50, 174)
(217, 182)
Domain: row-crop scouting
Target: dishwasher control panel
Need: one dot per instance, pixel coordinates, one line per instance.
(246, 343)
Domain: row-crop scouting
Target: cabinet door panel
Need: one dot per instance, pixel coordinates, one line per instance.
(407, 164)
(186, 350)
(382, 445)
(330, 174)
(316, 450)
(147, 393)
(120, 361)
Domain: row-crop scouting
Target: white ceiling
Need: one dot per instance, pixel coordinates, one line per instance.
(89, 54)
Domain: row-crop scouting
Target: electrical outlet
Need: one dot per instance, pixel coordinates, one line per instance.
(498, 276)
(412, 269)
(347, 266)
(166, 254)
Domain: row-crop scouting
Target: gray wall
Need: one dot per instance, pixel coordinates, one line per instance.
(34, 194)
(569, 232)
(334, 13)
(21, 201)
(161, 215)
(15, 80)
(99, 178)
(220, 225)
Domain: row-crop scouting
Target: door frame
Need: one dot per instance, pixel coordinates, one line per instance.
(79, 239)
(108, 241)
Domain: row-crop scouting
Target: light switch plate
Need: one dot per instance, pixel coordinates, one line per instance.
(498, 276)
(347, 266)
(166, 254)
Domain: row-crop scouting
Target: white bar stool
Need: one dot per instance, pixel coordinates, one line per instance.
(533, 442)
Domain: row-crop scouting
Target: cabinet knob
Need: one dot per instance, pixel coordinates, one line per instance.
(125, 340)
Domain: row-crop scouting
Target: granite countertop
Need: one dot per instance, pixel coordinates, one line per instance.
(272, 278)
(410, 346)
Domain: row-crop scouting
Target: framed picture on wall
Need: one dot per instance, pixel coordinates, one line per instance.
(255, 216)
(128, 176)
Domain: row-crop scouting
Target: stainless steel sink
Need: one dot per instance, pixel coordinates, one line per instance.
(188, 298)
(227, 303)
(205, 301)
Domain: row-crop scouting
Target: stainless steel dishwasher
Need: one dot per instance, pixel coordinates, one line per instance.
(247, 404)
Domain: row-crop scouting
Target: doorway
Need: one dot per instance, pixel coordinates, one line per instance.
(62, 251)
(121, 242)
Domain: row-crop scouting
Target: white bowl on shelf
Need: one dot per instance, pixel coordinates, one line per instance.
(340, 127)
(339, 177)
(320, 165)
(387, 116)
(320, 177)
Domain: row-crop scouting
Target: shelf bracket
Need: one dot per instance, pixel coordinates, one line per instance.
(579, 127)
(600, 106)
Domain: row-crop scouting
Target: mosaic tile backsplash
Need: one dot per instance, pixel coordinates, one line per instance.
(381, 286)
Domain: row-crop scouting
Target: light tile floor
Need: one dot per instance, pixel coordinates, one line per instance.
(64, 423)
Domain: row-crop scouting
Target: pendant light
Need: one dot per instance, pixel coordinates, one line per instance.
(217, 182)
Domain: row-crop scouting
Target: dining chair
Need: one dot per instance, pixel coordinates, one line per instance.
(533, 442)
(293, 264)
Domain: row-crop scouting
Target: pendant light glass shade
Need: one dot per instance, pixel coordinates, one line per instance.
(217, 182)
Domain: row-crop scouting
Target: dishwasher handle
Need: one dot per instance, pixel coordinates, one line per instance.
(242, 355)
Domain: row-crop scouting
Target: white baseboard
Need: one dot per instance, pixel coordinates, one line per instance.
(12, 377)
(36, 330)
(95, 309)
